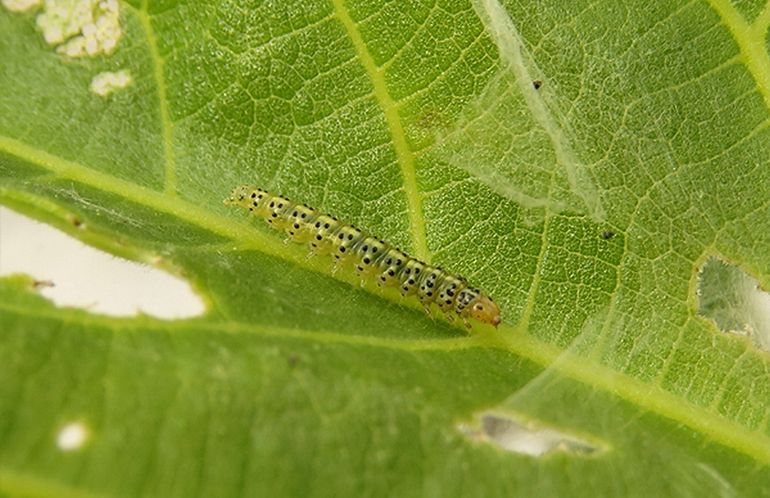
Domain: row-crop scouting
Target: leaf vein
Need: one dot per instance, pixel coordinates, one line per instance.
(751, 43)
(404, 154)
(167, 125)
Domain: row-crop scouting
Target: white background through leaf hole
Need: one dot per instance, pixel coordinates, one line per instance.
(85, 277)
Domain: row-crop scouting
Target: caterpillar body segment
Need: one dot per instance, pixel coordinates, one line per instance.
(373, 258)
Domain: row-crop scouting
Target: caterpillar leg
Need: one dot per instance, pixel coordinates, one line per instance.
(426, 308)
(362, 277)
(467, 323)
(336, 264)
(450, 316)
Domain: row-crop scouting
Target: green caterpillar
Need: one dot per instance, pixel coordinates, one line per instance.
(370, 256)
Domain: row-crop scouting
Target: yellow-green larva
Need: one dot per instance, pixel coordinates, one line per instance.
(370, 256)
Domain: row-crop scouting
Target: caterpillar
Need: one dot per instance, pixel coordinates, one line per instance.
(371, 256)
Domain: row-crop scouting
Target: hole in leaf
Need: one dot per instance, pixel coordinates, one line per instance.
(734, 301)
(70, 273)
(511, 435)
(20, 5)
(72, 436)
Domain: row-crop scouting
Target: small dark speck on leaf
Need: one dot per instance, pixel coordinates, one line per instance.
(75, 221)
(608, 234)
(537, 84)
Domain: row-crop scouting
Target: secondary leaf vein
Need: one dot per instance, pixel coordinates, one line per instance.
(404, 154)
(751, 42)
(167, 125)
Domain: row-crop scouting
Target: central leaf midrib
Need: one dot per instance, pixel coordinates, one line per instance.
(646, 396)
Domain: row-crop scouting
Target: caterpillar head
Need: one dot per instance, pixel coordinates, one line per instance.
(483, 309)
(252, 198)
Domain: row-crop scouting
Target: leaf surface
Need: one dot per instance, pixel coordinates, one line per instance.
(585, 206)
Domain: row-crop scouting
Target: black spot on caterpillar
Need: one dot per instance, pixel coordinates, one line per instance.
(370, 256)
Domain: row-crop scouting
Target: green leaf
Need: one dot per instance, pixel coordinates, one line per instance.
(586, 207)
